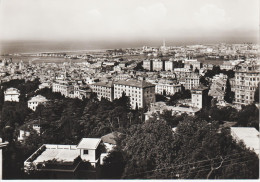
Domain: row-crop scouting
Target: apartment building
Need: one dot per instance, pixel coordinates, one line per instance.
(141, 93)
(199, 96)
(64, 87)
(191, 80)
(245, 82)
(169, 65)
(148, 65)
(103, 89)
(158, 65)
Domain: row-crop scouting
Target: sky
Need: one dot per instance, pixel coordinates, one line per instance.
(130, 20)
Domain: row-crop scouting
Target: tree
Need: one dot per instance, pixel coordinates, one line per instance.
(248, 116)
(114, 165)
(229, 96)
(148, 146)
(203, 151)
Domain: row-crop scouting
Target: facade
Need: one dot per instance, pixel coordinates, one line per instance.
(169, 65)
(35, 101)
(12, 95)
(182, 72)
(103, 89)
(141, 93)
(199, 96)
(193, 64)
(218, 87)
(64, 87)
(89, 150)
(245, 82)
(191, 80)
(158, 65)
(148, 65)
(167, 88)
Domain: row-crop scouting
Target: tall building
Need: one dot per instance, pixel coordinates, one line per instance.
(148, 65)
(141, 93)
(245, 82)
(191, 80)
(103, 89)
(169, 65)
(158, 65)
(199, 96)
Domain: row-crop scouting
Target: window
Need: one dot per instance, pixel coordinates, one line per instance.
(85, 152)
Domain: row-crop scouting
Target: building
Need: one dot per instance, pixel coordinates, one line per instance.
(182, 72)
(230, 65)
(148, 65)
(160, 107)
(12, 95)
(35, 101)
(65, 158)
(104, 89)
(192, 64)
(167, 87)
(141, 93)
(191, 80)
(218, 87)
(169, 65)
(199, 96)
(64, 87)
(89, 150)
(158, 65)
(245, 82)
(81, 92)
(248, 135)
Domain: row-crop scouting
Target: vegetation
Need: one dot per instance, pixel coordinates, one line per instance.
(198, 149)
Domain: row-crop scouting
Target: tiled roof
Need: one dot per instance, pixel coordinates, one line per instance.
(110, 138)
(134, 83)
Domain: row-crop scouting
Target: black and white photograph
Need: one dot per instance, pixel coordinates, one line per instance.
(129, 90)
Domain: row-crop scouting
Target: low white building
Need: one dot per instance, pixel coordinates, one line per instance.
(12, 95)
(35, 101)
(88, 149)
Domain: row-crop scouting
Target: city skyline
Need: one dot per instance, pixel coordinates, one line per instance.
(129, 21)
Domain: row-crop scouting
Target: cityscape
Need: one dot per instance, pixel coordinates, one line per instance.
(138, 105)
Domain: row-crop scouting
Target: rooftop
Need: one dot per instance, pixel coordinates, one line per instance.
(110, 138)
(12, 91)
(104, 84)
(59, 153)
(89, 143)
(249, 135)
(38, 98)
(135, 83)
